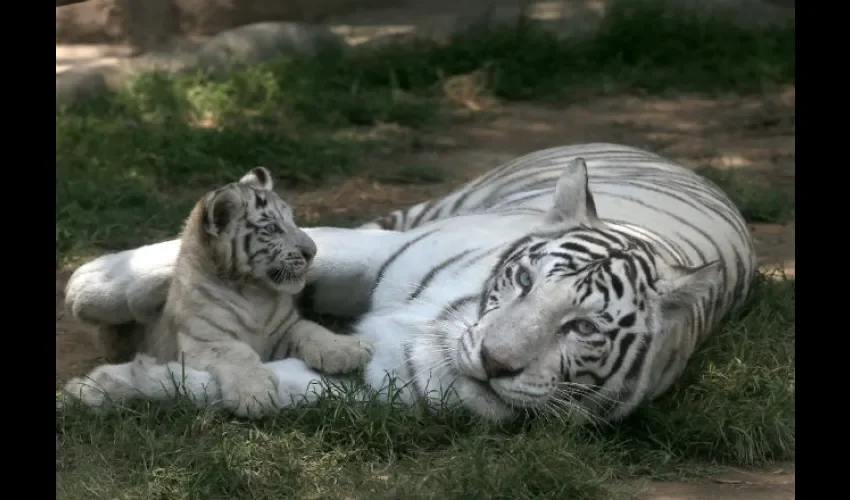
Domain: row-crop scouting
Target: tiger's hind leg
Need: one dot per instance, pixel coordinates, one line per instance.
(124, 287)
(144, 379)
(140, 379)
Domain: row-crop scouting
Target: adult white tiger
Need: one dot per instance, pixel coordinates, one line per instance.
(506, 295)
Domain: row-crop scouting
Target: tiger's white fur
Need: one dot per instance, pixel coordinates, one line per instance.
(522, 290)
(230, 305)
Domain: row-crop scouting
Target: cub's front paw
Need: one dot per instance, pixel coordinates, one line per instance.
(250, 394)
(337, 354)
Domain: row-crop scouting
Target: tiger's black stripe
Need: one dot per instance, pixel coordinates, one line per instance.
(392, 258)
(426, 280)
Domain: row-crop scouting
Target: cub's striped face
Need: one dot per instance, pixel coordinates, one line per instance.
(570, 322)
(254, 235)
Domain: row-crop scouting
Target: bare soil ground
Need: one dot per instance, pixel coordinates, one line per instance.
(756, 134)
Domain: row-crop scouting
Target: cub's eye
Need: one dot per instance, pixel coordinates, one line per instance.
(273, 229)
(581, 327)
(523, 277)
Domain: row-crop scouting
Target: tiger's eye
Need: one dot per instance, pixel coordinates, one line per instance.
(581, 327)
(524, 278)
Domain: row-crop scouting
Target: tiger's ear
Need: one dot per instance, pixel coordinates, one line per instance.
(681, 287)
(258, 178)
(572, 201)
(221, 208)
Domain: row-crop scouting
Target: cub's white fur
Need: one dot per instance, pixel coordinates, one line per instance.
(230, 303)
(576, 280)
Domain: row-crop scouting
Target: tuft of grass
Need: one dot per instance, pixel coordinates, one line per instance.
(757, 202)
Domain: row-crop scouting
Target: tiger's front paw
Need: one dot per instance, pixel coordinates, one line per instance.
(249, 393)
(337, 354)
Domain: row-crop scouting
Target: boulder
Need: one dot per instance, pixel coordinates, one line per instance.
(245, 44)
(262, 41)
(141, 23)
(151, 22)
(77, 84)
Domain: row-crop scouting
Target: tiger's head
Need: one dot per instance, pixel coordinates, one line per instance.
(573, 313)
(250, 235)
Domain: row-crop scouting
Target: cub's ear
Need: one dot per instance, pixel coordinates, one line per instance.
(258, 178)
(221, 209)
(681, 287)
(572, 202)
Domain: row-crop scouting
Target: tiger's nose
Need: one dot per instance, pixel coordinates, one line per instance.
(307, 253)
(495, 368)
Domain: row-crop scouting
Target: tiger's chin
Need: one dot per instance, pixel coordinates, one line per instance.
(514, 399)
(498, 398)
(287, 280)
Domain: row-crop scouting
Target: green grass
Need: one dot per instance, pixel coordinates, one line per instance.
(758, 203)
(131, 164)
(734, 406)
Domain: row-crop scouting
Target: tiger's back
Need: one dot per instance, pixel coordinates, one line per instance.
(685, 214)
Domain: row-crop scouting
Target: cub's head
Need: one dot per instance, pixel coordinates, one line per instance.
(573, 314)
(252, 236)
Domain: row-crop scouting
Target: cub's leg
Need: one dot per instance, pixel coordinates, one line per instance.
(324, 350)
(248, 388)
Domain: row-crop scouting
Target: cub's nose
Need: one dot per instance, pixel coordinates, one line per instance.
(495, 368)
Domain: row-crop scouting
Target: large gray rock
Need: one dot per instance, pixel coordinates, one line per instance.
(142, 23)
(262, 41)
(246, 44)
(148, 23)
(77, 84)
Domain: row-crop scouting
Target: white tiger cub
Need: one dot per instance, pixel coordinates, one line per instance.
(230, 303)
(550, 284)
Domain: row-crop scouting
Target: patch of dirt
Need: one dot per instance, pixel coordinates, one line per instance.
(753, 133)
(776, 484)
